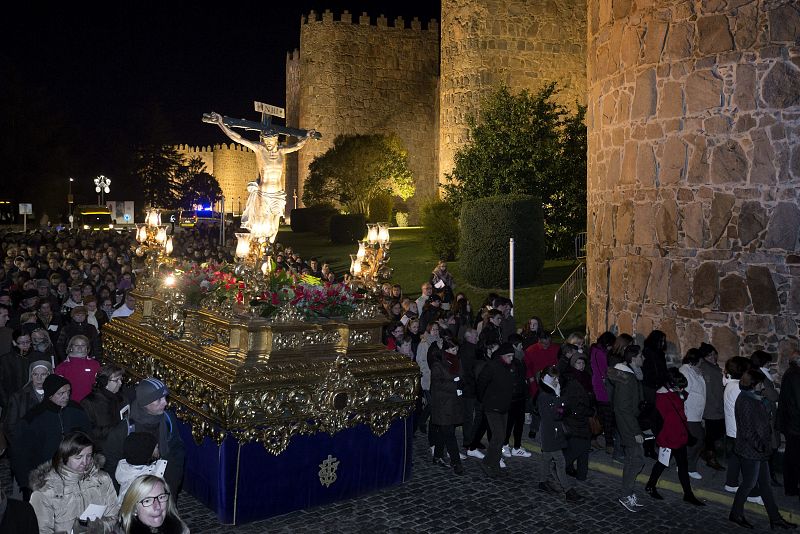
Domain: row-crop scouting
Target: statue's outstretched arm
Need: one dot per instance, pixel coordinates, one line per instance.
(294, 147)
(217, 119)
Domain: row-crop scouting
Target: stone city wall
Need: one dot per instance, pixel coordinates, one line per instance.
(292, 119)
(368, 76)
(694, 168)
(232, 165)
(520, 43)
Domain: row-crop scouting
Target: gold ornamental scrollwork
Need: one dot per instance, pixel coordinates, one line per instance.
(251, 398)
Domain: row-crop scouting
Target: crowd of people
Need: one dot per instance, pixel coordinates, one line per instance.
(483, 374)
(88, 451)
(76, 434)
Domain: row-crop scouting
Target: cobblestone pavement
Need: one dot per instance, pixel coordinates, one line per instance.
(436, 500)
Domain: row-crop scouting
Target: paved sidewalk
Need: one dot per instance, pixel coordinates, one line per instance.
(435, 500)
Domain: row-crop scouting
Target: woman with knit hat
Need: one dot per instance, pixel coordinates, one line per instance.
(39, 432)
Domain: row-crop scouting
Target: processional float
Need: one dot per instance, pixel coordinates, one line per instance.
(280, 407)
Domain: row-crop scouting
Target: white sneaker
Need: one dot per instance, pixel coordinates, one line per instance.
(629, 503)
(695, 475)
(506, 451)
(757, 500)
(636, 502)
(731, 489)
(462, 455)
(432, 449)
(520, 452)
(475, 453)
(502, 464)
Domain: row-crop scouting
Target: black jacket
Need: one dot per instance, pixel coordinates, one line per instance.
(102, 407)
(447, 407)
(467, 355)
(21, 403)
(495, 386)
(577, 407)
(654, 370)
(39, 433)
(753, 434)
(789, 402)
(14, 374)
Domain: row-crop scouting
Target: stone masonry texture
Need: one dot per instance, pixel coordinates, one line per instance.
(523, 44)
(362, 75)
(233, 165)
(693, 171)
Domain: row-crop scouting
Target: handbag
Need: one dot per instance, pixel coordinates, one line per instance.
(595, 426)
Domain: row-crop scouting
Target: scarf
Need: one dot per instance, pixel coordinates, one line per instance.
(153, 424)
(92, 320)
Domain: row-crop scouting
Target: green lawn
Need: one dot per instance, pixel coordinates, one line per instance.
(413, 260)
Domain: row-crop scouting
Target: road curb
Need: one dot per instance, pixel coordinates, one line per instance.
(710, 495)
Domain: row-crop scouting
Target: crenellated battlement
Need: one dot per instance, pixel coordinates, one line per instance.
(211, 149)
(328, 17)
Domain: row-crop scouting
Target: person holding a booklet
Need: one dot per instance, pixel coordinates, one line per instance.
(673, 437)
(71, 491)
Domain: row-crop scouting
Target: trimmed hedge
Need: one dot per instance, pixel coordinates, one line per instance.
(348, 228)
(486, 226)
(313, 218)
(441, 229)
(380, 208)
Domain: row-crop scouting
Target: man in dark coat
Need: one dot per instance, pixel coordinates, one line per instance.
(625, 390)
(39, 433)
(714, 411)
(14, 367)
(17, 516)
(148, 414)
(473, 411)
(789, 424)
(494, 389)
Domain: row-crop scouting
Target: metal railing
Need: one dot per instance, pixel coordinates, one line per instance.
(580, 246)
(568, 294)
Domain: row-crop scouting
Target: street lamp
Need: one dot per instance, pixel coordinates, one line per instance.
(101, 186)
(69, 199)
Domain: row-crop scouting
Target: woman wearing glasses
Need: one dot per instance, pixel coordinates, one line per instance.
(147, 507)
(64, 487)
(104, 403)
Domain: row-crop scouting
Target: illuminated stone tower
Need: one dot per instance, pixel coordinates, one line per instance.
(694, 168)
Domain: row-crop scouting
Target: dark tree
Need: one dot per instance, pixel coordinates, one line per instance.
(527, 144)
(197, 186)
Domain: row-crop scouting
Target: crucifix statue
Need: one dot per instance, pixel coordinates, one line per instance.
(267, 198)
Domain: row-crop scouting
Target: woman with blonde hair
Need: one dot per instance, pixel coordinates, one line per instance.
(148, 507)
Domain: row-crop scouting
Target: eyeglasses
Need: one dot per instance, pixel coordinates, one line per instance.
(148, 501)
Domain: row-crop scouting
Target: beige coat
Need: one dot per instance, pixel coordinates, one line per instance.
(61, 497)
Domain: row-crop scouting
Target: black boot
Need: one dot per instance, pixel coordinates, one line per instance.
(691, 499)
(741, 521)
(781, 523)
(653, 492)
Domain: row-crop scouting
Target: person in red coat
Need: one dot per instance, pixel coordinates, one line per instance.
(673, 437)
(537, 357)
(78, 368)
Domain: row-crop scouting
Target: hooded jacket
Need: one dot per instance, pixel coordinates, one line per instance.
(625, 394)
(60, 496)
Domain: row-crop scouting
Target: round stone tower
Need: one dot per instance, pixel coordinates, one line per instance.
(520, 43)
(694, 168)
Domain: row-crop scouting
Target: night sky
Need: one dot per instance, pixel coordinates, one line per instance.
(80, 87)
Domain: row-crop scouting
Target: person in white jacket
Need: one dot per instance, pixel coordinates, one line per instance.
(141, 458)
(694, 406)
(734, 369)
